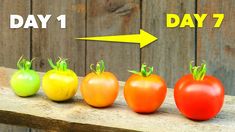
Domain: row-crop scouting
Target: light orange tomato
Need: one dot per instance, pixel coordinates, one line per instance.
(99, 88)
(144, 92)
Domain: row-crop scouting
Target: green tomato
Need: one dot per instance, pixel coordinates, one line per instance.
(25, 82)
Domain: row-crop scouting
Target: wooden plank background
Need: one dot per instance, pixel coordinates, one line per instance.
(169, 55)
(175, 48)
(13, 42)
(110, 17)
(53, 41)
(217, 45)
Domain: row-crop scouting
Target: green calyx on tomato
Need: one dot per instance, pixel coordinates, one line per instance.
(99, 68)
(198, 72)
(24, 64)
(61, 64)
(145, 71)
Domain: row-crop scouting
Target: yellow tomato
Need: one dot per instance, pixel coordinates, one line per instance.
(60, 84)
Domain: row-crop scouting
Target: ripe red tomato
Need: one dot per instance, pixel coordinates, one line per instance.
(99, 88)
(144, 92)
(199, 96)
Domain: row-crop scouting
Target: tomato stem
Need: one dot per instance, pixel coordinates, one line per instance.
(24, 64)
(145, 71)
(61, 64)
(99, 68)
(198, 72)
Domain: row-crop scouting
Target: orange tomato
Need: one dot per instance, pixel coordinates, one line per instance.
(99, 88)
(144, 92)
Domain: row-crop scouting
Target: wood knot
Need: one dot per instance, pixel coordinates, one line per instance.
(229, 49)
(112, 5)
(120, 7)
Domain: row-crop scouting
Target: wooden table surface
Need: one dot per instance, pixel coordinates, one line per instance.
(39, 112)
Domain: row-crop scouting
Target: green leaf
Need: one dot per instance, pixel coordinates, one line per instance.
(99, 68)
(134, 72)
(145, 71)
(61, 64)
(24, 64)
(198, 72)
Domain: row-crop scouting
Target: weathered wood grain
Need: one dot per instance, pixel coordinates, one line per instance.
(37, 111)
(13, 42)
(171, 53)
(217, 45)
(40, 130)
(12, 128)
(113, 17)
(54, 41)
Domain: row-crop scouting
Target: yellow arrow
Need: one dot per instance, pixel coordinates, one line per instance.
(143, 39)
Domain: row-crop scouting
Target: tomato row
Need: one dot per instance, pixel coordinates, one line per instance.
(197, 96)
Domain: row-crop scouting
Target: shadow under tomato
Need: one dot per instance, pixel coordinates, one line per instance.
(30, 96)
(146, 113)
(72, 100)
(162, 110)
(105, 107)
(198, 121)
